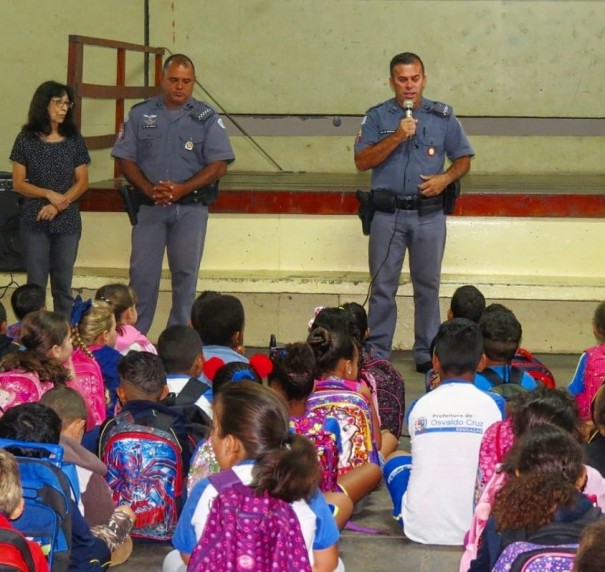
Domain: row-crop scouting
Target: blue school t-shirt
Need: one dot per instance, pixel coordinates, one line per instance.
(315, 517)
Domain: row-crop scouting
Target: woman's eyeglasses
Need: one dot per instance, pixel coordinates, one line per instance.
(62, 103)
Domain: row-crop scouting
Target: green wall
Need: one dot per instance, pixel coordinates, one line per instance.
(305, 57)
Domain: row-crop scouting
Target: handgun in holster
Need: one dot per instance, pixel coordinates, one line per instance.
(131, 202)
(365, 211)
(450, 195)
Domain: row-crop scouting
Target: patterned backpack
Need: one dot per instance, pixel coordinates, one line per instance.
(17, 386)
(594, 373)
(311, 425)
(351, 410)
(145, 472)
(530, 557)
(248, 532)
(390, 389)
(89, 384)
(534, 367)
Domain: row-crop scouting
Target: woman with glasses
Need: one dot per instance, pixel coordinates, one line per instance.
(50, 170)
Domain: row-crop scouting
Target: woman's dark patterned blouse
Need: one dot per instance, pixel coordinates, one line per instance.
(50, 165)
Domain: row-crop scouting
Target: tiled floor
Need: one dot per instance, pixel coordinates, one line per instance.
(390, 550)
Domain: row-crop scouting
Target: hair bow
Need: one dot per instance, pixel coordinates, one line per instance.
(79, 309)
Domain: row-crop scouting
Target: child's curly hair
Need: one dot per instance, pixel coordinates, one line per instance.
(548, 463)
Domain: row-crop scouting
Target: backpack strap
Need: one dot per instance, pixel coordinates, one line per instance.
(224, 480)
(191, 392)
(515, 375)
(15, 539)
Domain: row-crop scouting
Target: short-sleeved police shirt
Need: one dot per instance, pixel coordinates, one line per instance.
(171, 144)
(437, 136)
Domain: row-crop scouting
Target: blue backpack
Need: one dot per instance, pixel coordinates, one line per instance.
(46, 518)
(145, 472)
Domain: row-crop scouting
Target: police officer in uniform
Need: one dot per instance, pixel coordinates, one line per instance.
(171, 148)
(405, 141)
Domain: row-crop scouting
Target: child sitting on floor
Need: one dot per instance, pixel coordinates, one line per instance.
(293, 377)
(501, 338)
(26, 375)
(95, 335)
(590, 371)
(219, 320)
(251, 436)
(544, 491)
(11, 508)
(123, 301)
(25, 299)
(110, 524)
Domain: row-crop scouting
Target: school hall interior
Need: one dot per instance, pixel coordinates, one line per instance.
(295, 78)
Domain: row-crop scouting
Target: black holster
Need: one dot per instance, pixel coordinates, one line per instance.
(365, 210)
(131, 202)
(450, 195)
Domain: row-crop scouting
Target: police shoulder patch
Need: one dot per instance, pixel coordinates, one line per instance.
(442, 109)
(201, 112)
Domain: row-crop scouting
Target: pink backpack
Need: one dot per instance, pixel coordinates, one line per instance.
(245, 531)
(18, 386)
(335, 398)
(480, 516)
(89, 384)
(495, 445)
(594, 374)
(311, 425)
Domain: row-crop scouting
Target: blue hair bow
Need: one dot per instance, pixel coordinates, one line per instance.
(79, 309)
(242, 374)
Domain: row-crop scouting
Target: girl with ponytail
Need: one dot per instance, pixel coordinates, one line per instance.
(251, 435)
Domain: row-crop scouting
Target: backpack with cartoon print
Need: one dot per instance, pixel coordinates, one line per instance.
(312, 426)
(334, 398)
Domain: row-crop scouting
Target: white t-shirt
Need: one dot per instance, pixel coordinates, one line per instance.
(446, 427)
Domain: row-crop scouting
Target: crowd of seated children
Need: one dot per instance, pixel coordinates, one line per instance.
(95, 335)
(219, 320)
(432, 489)
(501, 338)
(25, 299)
(11, 508)
(95, 501)
(36, 423)
(25, 375)
(180, 349)
(590, 371)
(553, 406)
(251, 435)
(123, 301)
(527, 409)
(7, 344)
(543, 492)
(293, 378)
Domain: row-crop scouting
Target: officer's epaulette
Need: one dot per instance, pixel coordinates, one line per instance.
(438, 108)
(201, 112)
(139, 103)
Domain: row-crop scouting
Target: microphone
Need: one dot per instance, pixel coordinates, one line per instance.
(407, 106)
